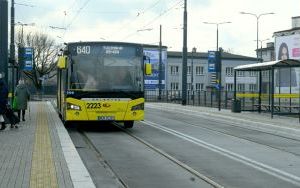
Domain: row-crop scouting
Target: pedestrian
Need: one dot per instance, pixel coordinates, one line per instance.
(3, 101)
(22, 96)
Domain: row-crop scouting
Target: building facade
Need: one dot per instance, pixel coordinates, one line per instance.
(197, 70)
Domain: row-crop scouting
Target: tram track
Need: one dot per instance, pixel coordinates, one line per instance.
(160, 152)
(174, 160)
(235, 125)
(105, 163)
(285, 176)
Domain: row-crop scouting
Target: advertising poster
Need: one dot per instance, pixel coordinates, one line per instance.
(152, 81)
(287, 47)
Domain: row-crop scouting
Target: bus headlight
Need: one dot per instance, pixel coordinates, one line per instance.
(71, 106)
(138, 107)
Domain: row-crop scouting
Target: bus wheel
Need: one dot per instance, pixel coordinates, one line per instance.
(128, 124)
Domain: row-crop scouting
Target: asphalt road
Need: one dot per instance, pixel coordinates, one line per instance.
(178, 148)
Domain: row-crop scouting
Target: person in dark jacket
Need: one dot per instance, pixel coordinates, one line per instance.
(22, 96)
(3, 100)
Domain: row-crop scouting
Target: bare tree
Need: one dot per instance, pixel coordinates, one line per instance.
(44, 58)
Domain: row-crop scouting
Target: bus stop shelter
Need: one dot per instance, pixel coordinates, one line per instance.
(268, 66)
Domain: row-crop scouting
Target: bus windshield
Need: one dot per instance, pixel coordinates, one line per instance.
(106, 73)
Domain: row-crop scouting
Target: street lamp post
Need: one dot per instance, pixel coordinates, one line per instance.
(257, 16)
(217, 24)
(218, 73)
(261, 41)
(22, 30)
(184, 56)
(194, 50)
(160, 64)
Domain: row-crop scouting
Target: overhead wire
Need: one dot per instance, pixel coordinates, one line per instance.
(139, 14)
(153, 20)
(75, 16)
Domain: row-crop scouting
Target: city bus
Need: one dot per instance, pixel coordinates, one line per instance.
(101, 81)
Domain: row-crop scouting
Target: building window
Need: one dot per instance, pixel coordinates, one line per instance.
(189, 70)
(229, 87)
(253, 73)
(199, 86)
(253, 87)
(189, 86)
(241, 87)
(240, 73)
(174, 70)
(174, 85)
(265, 73)
(199, 70)
(229, 71)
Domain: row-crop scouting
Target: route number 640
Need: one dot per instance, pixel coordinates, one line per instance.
(83, 49)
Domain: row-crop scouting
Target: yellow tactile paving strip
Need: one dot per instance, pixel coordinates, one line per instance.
(43, 172)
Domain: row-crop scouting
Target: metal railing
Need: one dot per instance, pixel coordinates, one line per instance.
(249, 100)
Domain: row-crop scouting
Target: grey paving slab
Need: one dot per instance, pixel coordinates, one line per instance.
(16, 151)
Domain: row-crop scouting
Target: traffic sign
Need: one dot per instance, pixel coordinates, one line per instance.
(26, 58)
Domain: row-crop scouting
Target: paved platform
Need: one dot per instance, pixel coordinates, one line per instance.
(40, 153)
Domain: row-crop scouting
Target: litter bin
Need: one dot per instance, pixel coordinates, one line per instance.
(236, 106)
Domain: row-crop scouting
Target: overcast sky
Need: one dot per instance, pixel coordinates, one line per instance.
(121, 20)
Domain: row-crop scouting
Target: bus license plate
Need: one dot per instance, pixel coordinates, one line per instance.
(106, 118)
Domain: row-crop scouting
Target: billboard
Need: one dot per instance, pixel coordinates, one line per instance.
(287, 47)
(152, 81)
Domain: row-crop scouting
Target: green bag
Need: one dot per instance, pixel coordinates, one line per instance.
(15, 105)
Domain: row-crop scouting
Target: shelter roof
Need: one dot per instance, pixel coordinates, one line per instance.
(268, 65)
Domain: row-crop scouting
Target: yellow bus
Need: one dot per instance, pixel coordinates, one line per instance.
(101, 81)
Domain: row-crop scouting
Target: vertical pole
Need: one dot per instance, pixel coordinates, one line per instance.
(299, 100)
(12, 46)
(4, 39)
(261, 51)
(272, 94)
(234, 85)
(160, 66)
(290, 89)
(270, 87)
(192, 76)
(217, 37)
(220, 77)
(184, 55)
(259, 74)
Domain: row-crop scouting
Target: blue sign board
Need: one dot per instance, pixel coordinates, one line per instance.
(212, 61)
(26, 55)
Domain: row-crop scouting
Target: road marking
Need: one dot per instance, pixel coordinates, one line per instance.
(174, 160)
(43, 172)
(245, 160)
(254, 124)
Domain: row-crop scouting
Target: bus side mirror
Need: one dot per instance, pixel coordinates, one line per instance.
(148, 69)
(62, 62)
